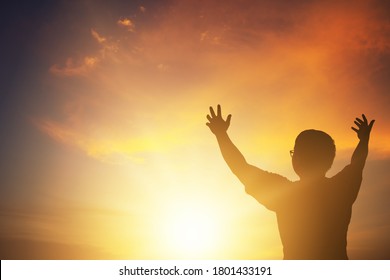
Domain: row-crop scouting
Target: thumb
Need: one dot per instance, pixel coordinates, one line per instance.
(371, 124)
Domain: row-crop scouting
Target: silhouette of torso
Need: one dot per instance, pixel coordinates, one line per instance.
(313, 218)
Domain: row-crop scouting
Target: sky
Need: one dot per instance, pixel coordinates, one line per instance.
(104, 149)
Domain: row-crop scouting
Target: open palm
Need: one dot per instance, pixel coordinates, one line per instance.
(363, 129)
(216, 123)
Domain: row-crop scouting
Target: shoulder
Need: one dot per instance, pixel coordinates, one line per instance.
(348, 172)
(258, 180)
(268, 188)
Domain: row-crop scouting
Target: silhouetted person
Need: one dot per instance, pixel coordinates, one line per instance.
(313, 214)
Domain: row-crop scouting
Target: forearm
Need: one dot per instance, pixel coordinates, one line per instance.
(233, 157)
(360, 154)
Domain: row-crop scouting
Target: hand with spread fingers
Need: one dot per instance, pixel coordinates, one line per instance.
(216, 123)
(363, 129)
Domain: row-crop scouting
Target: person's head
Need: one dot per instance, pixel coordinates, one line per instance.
(313, 154)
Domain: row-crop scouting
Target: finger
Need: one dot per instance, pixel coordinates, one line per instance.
(228, 119)
(212, 113)
(355, 129)
(365, 119)
(371, 124)
(219, 113)
(359, 120)
(209, 118)
(208, 124)
(358, 123)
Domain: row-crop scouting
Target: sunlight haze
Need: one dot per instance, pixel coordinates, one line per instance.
(109, 156)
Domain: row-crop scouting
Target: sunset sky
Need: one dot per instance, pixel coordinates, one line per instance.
(104, 149)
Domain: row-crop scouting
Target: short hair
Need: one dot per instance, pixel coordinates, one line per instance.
(315, 149)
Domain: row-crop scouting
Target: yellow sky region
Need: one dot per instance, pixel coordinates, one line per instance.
(180, 205)
(153, 184)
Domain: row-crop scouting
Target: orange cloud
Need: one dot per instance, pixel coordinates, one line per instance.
(100, 39)
(163, 67)
(89, 62)
(72, 68)
(104, 131)
(126, 23)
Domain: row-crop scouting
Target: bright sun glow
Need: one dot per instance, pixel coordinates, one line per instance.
(191, 231)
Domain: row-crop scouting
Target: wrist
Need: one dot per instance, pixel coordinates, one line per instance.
(221, 134)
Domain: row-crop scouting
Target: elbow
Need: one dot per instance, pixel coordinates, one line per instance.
(249, 190)
(236, 169)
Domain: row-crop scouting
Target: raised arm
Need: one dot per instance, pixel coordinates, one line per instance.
(363, 131)
(261, 184)
(233, 157)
